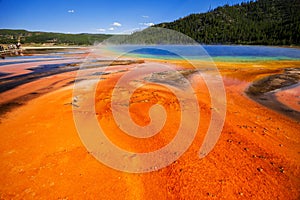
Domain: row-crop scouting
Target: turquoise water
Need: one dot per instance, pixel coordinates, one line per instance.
(225, 53)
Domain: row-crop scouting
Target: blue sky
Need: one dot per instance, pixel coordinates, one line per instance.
(97, 16)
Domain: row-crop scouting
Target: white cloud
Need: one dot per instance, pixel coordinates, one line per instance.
(130, 31)
(111, 29)
(117, 24)
(71, 11)
(101, 29)
(147, 24)
(145, 16)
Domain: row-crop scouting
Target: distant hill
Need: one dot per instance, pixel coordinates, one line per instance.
(8, 36)
(261, 22)
(265, 22)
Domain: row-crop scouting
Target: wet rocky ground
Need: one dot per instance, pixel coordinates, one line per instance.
(47, 70)
(176, 78)
(289, 77)
(263, 91)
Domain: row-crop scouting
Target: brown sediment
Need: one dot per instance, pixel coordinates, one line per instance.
(9, 105)
(33, 72)
(256, 157)
(264, 91)
(290, 97)
(288, 78)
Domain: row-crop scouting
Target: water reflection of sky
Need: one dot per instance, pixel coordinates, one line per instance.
(216, 52)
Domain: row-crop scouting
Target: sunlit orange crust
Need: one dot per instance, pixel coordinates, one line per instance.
(256, 157)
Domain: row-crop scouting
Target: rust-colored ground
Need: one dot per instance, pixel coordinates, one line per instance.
(290, 97)
(256, 157)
